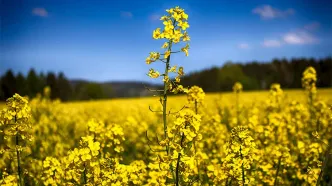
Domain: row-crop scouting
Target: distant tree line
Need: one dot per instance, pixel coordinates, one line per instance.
(60, 86)
(260, 75)
(253, 76)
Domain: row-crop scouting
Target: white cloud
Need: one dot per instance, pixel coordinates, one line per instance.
(268, 12)
(243, 46)
(299, 38)
(154, 17)
(41, 12)
(126, 14)
(271, 43)
(312, 26)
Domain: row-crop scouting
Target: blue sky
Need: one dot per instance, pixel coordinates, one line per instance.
(110, 39)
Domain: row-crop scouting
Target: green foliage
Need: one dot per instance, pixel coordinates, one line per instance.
(34, 83)
(60, 86)
(257, 75)
(92, 91)
(231, 73)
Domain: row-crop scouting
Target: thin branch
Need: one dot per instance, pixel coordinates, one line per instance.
(153, 110)
(193, 181)
(149, 141)
(147, 137)
(158, 140)
(277, 173)
(178, 110)
(175, 52)
(152, 90)
(161, 101)
(326, 159)
(162, 60)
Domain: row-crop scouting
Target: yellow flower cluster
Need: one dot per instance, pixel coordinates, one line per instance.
(15, 118)
(8, 180)
(182, 156)
(52, 172)
(276, 96)
(276, 90)
(237, 88)
(195, 94)
(174, 31)
(16, 128)
(239, 154)
(112, 135)
(175, 24)
(309, 79)
(186, 123)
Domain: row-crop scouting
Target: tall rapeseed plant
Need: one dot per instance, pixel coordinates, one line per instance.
(15, 123)
(174, 32)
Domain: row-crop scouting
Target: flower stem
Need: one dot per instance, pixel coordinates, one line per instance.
(178, 163)
(165, 99)
(165, 105)
(19, 169)
(84, 175)
(237, 109)
(177, 169)
(277, 173)
(326, 159)
(195, 147)
(242, 167)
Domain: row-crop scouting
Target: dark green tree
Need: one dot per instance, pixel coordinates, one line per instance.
(51, 81)
(8, 84)
(64, 87)
(21, 85)
(33, 83)
(89, 91)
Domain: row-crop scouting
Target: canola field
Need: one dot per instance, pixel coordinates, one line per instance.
(271, 137)
(120, 142)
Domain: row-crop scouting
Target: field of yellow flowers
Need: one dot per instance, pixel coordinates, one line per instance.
(251, 138)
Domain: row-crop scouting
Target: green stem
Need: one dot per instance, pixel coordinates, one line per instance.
(243, 176)
(165, 96)
(311, 110)
(165, 105)
(178, 163)
(19, 169)
(277, 173)
(165, 99)
(177, 169)
(326, 159)
(195, 147)
(237, 109)
(84, 175)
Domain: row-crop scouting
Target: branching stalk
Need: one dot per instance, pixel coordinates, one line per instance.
(165, 98)
(242, 167)
(178, 163)
(19, 169)
(195, 147)
(237, 109)
(326, 159)
(84, 175)
(277, 173)
(164, 103)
